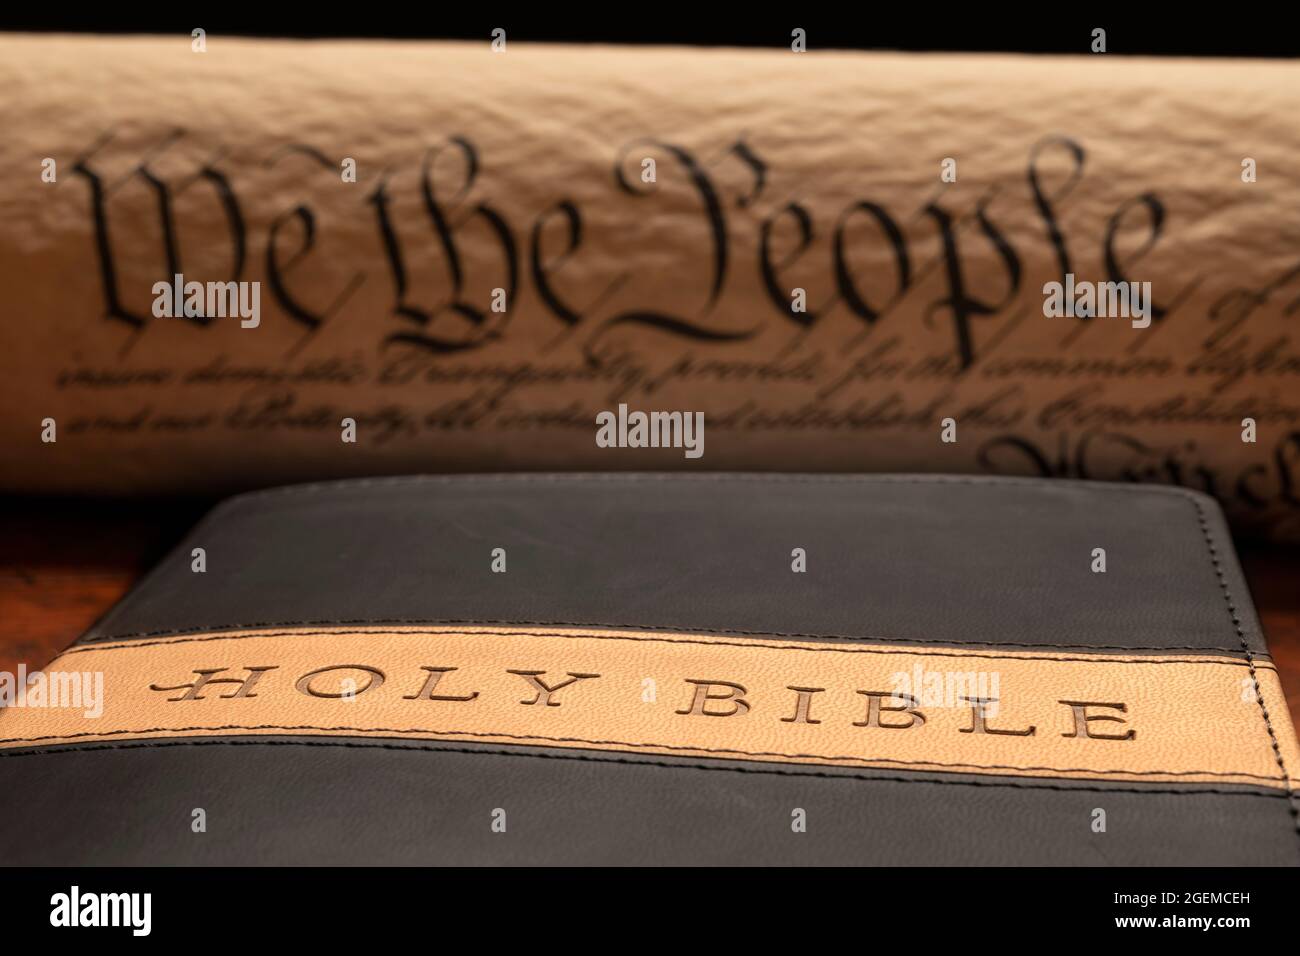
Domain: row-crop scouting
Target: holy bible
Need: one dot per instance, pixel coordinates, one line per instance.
(653, 669)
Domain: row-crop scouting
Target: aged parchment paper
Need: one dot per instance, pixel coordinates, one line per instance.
(524, 172)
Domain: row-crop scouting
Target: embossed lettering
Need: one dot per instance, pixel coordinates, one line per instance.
(544, 690)
(802, 705)
(431, 684)
(704, 693)
(979, 722)
(375, 679)
(875, 707)
(1079, 708)
(195, 690)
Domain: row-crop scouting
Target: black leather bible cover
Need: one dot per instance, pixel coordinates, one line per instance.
(653, 669)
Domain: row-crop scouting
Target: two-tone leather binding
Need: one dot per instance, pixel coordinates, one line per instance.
(671, 669)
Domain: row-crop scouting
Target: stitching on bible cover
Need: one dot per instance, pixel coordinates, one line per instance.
(848, 773)
(132, 645)
(476, 622)
(417, 731)
(1292, 803)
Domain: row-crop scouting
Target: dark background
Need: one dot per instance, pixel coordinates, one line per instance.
(1230, 30)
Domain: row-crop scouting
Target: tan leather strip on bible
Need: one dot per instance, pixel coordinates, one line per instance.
(1168, 718)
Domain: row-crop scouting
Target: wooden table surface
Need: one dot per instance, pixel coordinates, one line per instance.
(63, 563)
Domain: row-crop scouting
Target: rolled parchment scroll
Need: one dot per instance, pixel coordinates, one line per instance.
(267, 261)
